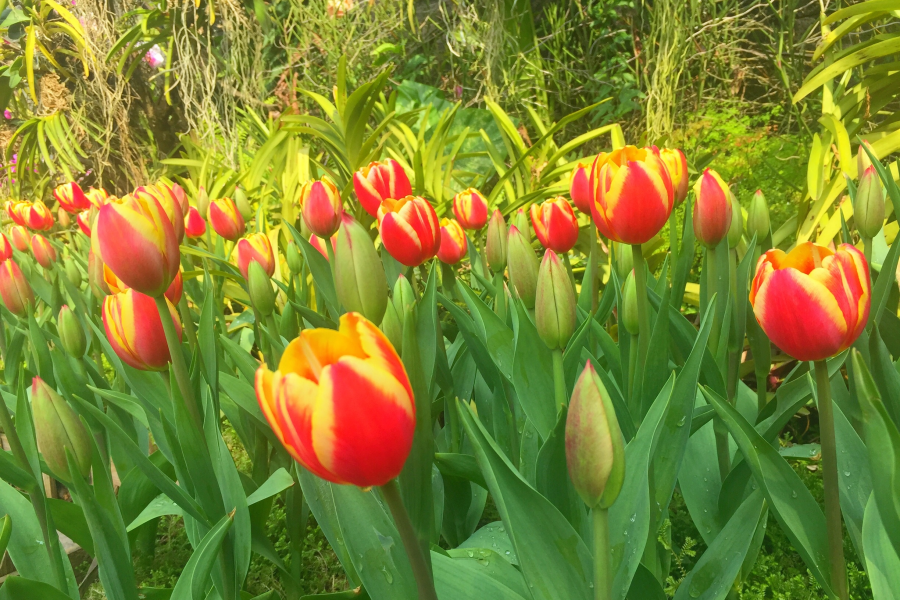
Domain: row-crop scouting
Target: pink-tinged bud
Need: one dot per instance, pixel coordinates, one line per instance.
(868, 209)
(97, 197)
(523, 267)
(71, 198)
(554, 305)
(321, 207)
(62, 217)
(555, 224)
(677, 165)
(595, 449)
(135, 239)
(14, 289)
(256, 247)
(359, 278)
(522, 222)
(85, 220)
(379, 181)
(496, 245)
(43, 251)
(35, 216)
(20, 238)
(580, 189)
(454, 244)
(225, 219)
(6, 249)
(59, 429)
(194, 225)
(712, 209)
(319, 244)
(863, 161)
(471, 209)
(135, 331)
(409, 229)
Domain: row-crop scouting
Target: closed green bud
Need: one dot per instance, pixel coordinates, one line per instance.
(243, 205)
(522, 222)
(863, 162)
(288, 326)
(495, 247)
(736, 230)
(403, 298)
(624, 259)
(629, 312)
(294, 260)
(58, 429)
(360, 281)
(73, 274)
(868, 210)
(392, 327)
(758, 217)
(202, 201)
(554, 308)
(523, 266)
(261, 293)
(595, 450)
(71, 333)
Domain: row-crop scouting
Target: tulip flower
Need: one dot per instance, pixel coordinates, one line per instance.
(58, 429)
(634, 195)
(135, 239)
(85, 221)
(712, 209)
(70, 197)
(225, 219)
(319, 244)
(35, 216)
(321, 207)
(812, 303)
(43, 251)
(194, 225)
(454, 244)
(13, 209)
(555, 305)
(379, 181)
(523, 267)
(71, 333)
(170, 204)
(6, 249)
(555, 224)
(14, 288)
(409, 229)
(471, 209)
(256, 247)
(758, 217)
(676, 163)
(868, 210)
(341, 403)
(20, 238)
(97, 197)
(580, 189)
(359, 279)
(495, 248)
(135, 330)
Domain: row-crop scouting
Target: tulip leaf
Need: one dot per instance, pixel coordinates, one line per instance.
(655, 370)
(206, 342)
(193, 582)
(882, 559)
(161, 506)
(885, 374)
(853, 472)
(685, 259)
(794, 507)
(644, 586)
(552, 477)
(458, 578)
(277, 482)
(321, 272)
(532, 374)
(700, 480)
(497, 337)
(715, 572)
(40, 349)
(552, 556)
(493, 535)
(69, 519)
(19, 588)
(461, 466)
(464, 503)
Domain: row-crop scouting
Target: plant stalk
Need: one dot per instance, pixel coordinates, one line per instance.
(559, 379)
(673, 236)
(830, 481)
(713, 286)
(178, 365)
(640, 280)
(867, 250)
(593, 270)
(500, 298)
(424, 582)
(603, 575)
(186, 320)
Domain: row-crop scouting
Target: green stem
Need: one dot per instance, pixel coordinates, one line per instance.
(2, 340)
(188, 322)
(830, 481)
(603, 575)
(330, 251)
(500, 298)
(276, 345)
(867, 250)
(713, 286)
(632, 366)
(640, 280)
(448, 281)
(673, 235)
(568, 264)
(424, 582)
(592, 270)
(178, 365)
(559, 379)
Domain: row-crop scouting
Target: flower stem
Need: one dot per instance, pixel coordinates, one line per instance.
(867, 250)
(424, 582)
(713, 287)
(830, 481)
(177, 357)
(640, 280)
(592, 270)
(186, 320)
(603, 575)
(673, 235)
(559, 379)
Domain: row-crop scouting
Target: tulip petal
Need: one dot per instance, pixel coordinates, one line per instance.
(295, 402)
(327, 345)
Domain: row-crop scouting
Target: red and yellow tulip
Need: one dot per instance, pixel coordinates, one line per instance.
(341, 403)
(555, 224)
(97, 197)
(379, 181)
(712, 209)
(320, 203)
(85, 220)
(14, 288)
(319, 244)
(453, 242)
(634, 195)
(812, 302)
(70, 197)
(135, 331)
(471, 209)
(114, 285)
(20, 238)
(135, 239)
(409, 229)
(6, 249)
(580, 189)
(676, 163)
(33, 215)
(225, 219)
(43, 251)
(175, 211)
(194, 225)
(256, 247)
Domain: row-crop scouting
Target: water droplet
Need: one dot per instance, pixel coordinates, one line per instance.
(846, 473)
(794, 494)
(633, 517)
(681, 421)
(507, 552)
(387, 575)
(471, 554)
(591, 585)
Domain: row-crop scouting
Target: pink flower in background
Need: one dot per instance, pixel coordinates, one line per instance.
(155, 57)
(7, 114)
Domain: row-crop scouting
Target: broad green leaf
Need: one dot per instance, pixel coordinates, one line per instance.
(494, 536)
(162, 505)
(552, 477)
(19, 588)
(321, 271)
(277, 482)
(532, 374)
(194, 579)
(700, 480)
(459, 578)
(853, 474)
(69, 519)
(882, 560)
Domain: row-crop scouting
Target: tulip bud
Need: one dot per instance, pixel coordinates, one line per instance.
(14, 288)
(523, 266)
(554, 308)
(243, 205)
(758, 217)
(555, 224)
(868, 210)
(360, 282)
(712, 209)
(62, 217)
(202, 200)
(6, 249)
(735, 232)
(260, 287)
(403, 298)
(863, 162)
(294, 260)
(194, 225)
(629, 311)
(58, 429)
(495, 247)
(43, 250)
(288, 327)
(71, 333)
(624, 259)
(73, 273)
(410, 230)
(470, 209)
(522, 222)
(454, 243)
(135, 331)
(225, 219)
(20, 238)
(580, 189)
(71, 198)
(595, 449)
(321, 207)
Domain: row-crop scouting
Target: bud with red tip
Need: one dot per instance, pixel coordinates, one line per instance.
(62, 217)
(454, 244)
(58, 429)
(14, 289)
(555, 224)
(43, 251)
(20, 238)
(320, 202)
(496, 245)
(471, 209)
(259, 286)
(379, 181)
(555, 305)
(758, 222)
(194, 225)
(225, 218)
(863, 161)
(712, 209)
(70, 197)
